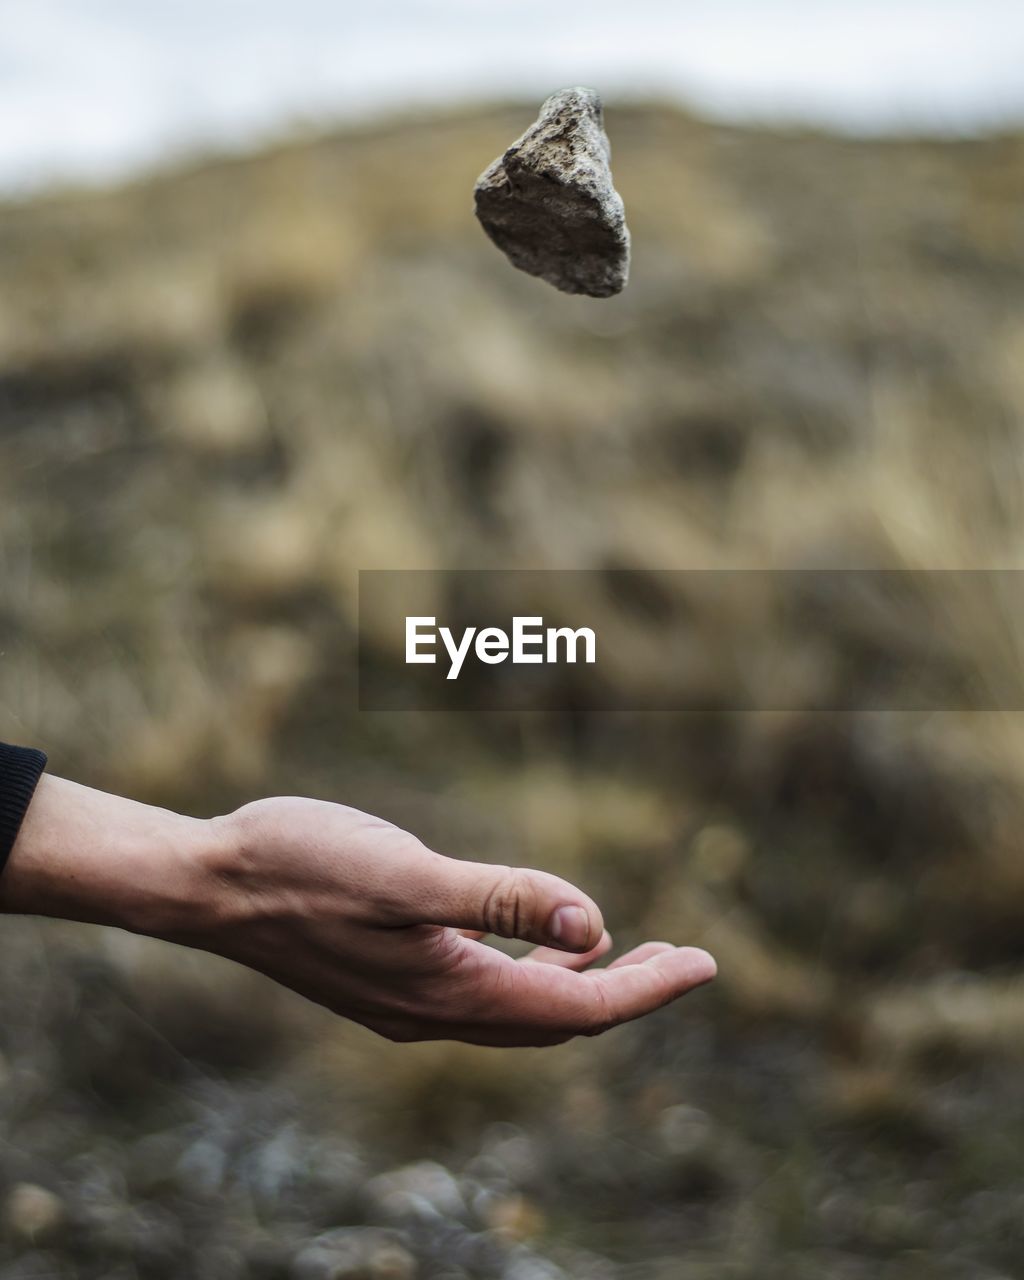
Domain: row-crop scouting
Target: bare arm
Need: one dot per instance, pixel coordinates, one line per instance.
(346, 909)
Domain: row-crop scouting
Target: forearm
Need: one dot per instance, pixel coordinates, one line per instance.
(344, 908)
(85, 855)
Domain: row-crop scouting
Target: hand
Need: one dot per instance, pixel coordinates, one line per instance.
(351, 912)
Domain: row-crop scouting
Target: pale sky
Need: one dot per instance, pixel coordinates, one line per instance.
(93, 88)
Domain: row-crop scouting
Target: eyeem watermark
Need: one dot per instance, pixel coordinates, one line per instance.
(730, 640)
(529, 642)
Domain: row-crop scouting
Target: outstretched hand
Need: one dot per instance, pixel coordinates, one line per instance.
(350, 911)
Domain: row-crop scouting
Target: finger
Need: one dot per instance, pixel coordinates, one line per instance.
(633, 990)
(531, 999)
(549, 955)
(641, 953)
(567, 959)
(512, 902)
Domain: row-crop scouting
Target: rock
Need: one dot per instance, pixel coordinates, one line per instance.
(354, 1253)
(548, 203)
(686, 1130)
(422, 1190)
(528, 1267)
(512, 1217)
(33, 1212)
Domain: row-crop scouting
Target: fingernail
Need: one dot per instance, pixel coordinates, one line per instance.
(570, 926)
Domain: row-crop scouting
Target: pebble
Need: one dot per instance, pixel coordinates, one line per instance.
(354, 1253)
(425, 1189)
(33, 1212)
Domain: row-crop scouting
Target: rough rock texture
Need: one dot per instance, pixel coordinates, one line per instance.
(548, 203)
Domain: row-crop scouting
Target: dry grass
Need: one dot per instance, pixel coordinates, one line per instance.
(224, 391)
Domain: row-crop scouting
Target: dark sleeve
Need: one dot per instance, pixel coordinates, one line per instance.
(20, 771)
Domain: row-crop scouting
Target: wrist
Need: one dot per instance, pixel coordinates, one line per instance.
(85, 855)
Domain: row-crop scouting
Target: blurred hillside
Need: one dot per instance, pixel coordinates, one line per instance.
(225, 390)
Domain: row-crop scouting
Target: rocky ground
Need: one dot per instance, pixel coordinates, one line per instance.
(226, 389)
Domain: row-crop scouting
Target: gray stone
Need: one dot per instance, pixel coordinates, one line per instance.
(548, 203)
(354, 1253)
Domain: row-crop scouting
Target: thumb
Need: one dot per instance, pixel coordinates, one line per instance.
(512, 902)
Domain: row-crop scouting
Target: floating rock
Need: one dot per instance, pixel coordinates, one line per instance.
(548, 203)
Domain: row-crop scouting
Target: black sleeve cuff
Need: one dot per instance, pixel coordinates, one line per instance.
(20, 771)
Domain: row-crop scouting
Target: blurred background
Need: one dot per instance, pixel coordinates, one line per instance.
(252, 341)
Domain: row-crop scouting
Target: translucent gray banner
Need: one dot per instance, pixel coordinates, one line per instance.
(688, 640)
